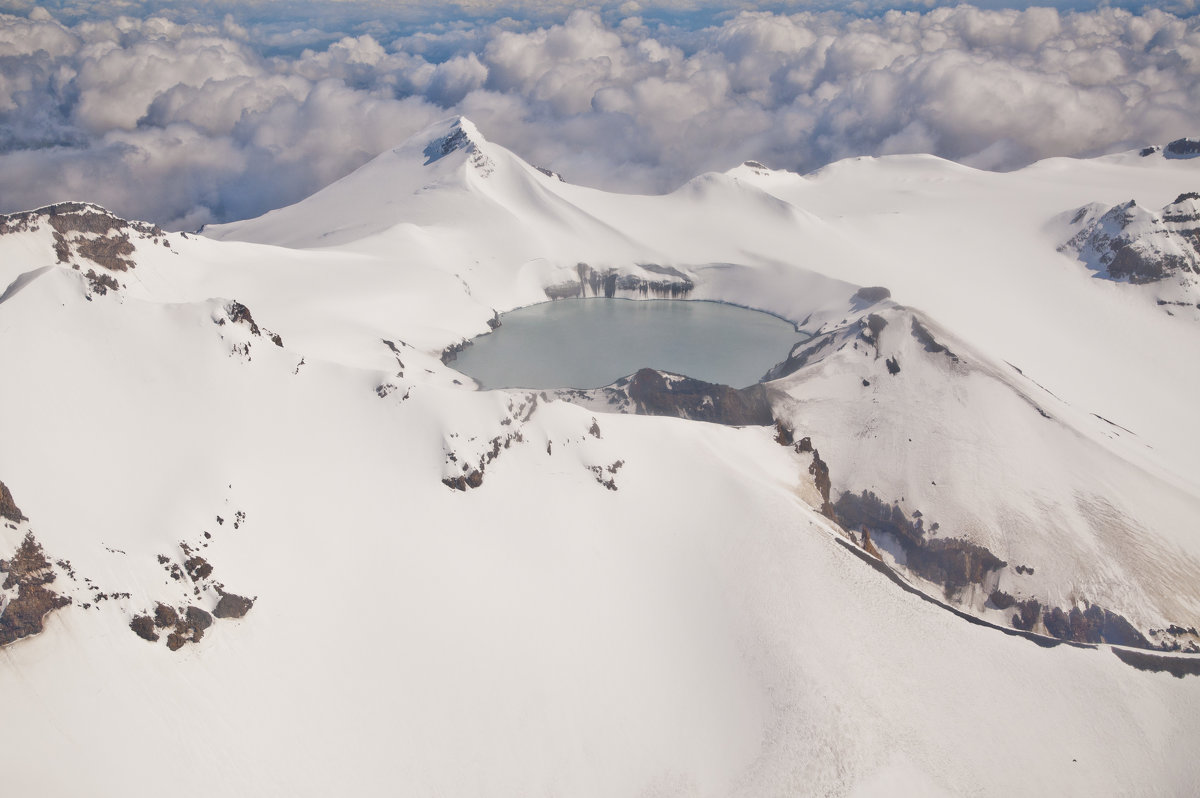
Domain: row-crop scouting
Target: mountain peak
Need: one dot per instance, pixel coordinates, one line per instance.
(459, 134)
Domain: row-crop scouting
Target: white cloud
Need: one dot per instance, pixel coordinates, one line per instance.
(210, 118)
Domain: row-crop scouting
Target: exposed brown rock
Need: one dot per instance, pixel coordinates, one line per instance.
(472, 480)
(165, 615)
(232, 605)
(143, 627)
(28, 565)
(1001, 600)
(29, 572)
(953, 563)
(8, 507)
(1027, 614)
(1057, 623)
(111, 253)
(197, 620)
(102, 283)
(240, 314)
(198, 568)
(654, 394)
(820, 474)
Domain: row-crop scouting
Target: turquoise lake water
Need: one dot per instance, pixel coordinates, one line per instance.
(588, 343)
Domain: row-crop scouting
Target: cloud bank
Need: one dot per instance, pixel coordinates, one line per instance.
(185, 122)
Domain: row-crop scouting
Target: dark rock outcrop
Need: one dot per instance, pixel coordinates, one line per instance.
(143, 627)
(650, 392)
(237, 313)
(1092, 625)
(83, 231)
(869, 295)
(819, 471)
(198, 568)
(669, 282)
(240, 314)
(925, 338)
(473, 479)
(550, 173)
(800, 356)
(232, 605)
(165, 616)
(1027, 615)
(450, 353)
(655, 393)
(29, 572)
(8, 507)
(1134, 244)
(953, 563)
(197, 620)
(1182, 148)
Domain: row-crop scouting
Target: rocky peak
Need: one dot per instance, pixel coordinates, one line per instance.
(462, 135)
(86, 236)
(1182, 148)
(1184, 210)
(1130, 243)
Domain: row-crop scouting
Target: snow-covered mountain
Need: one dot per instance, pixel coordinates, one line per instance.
(1129, 243)
(252, 518)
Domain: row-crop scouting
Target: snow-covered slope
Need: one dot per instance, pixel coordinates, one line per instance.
(305, 556)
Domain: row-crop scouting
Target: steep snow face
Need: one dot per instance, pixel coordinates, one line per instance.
(631, 605)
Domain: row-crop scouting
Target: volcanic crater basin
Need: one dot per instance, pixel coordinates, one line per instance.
(589, 343)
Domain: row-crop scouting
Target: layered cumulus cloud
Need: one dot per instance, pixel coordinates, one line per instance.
(188, 122)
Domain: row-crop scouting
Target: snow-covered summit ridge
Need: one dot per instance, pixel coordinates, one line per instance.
(462, 135)
(441, 173)
(80, 235)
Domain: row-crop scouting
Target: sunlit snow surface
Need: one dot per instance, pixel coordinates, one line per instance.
(696, 631)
